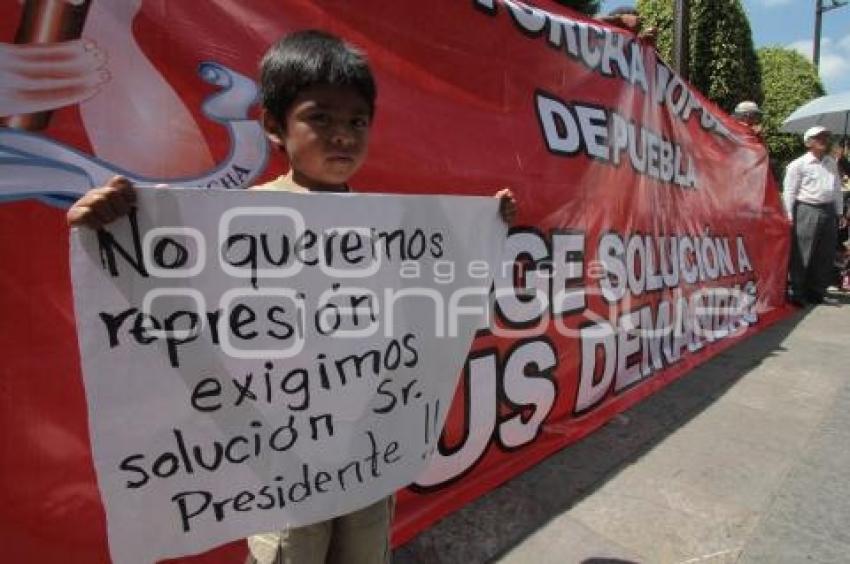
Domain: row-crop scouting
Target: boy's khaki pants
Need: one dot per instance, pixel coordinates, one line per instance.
(361, 537)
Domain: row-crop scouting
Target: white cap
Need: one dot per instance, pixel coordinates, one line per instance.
(747, 107)
(814, 132)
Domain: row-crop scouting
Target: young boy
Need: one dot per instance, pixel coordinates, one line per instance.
(318, 97)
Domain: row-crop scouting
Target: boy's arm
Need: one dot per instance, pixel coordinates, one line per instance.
(100, 206)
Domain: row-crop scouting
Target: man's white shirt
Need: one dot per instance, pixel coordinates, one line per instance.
(812, 181)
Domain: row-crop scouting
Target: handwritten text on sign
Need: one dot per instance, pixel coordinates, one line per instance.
(264, 359)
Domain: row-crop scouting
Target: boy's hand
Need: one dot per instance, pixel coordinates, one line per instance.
(507, 205)
(100, 206)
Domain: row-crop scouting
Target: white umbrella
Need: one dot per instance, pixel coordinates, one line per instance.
(832, 112)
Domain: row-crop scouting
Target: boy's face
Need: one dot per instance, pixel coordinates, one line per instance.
(325, 136)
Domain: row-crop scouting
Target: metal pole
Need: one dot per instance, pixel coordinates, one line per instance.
(681, 40)
(818, 22)
(819, 10)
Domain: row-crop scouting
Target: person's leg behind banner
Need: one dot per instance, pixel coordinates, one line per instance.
(363, 537)
(802, 238)
(298, 545)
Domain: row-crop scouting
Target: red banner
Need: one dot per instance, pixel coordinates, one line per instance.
(650, 235)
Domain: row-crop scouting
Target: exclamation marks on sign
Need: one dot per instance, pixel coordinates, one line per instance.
(432, 427)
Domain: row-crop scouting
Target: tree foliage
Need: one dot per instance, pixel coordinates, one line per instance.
(723, 63)
(589, 7)
(789, 81)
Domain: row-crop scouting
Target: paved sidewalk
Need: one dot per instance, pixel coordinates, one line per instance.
(746, 459)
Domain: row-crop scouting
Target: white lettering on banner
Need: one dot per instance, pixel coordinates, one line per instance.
(524, 381)
(605, 135)
(269, 362)
(611, 53)
(575, 127)
(667, 296)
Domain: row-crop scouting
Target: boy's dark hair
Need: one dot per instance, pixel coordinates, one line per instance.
(312, 58)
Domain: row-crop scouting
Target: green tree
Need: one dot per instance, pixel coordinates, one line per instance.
(789, 81)
(589, 7)
(723, 63)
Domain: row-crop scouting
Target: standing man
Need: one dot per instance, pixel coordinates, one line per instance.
(812, 196)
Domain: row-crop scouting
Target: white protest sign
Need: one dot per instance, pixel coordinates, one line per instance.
(256, 360)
